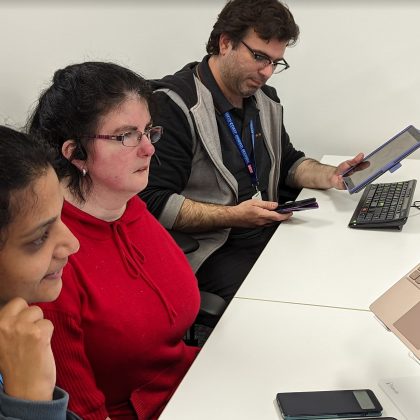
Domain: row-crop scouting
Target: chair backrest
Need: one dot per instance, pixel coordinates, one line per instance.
(186, 242)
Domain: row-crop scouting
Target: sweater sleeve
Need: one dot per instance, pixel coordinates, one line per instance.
(16, 409)
(174, 151)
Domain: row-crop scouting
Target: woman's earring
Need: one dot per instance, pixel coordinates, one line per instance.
(84, 172)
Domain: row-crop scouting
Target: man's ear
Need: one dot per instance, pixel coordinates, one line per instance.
(225, 43)
(75, 153)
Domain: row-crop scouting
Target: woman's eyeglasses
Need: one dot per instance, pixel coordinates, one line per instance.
(132, 138)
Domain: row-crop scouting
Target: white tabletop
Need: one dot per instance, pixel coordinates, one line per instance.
(316, 259)
(260, 348)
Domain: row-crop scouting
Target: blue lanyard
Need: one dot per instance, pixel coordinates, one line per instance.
(252, 169)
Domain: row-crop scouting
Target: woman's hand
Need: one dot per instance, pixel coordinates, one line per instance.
(26, 359)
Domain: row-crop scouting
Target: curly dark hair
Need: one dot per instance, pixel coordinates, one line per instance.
(72, 107)
(270, 19)
(23, 160)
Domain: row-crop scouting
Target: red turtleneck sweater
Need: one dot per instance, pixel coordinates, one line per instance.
(128, 297)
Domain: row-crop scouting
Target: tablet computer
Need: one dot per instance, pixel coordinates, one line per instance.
(385, 158)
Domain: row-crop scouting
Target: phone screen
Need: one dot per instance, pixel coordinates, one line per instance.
(340, 403)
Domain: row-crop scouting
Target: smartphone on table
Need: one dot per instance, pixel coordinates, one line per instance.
(328, 404)
(306, 204)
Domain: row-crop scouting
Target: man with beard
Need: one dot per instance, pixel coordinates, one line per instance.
(225, 154)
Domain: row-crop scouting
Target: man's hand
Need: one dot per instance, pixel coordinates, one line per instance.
(201, 217)
(313, 174)
(26, 359)
(255, 213)
(337, 178)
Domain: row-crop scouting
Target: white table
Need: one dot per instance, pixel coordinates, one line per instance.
(260, 348)
(316, 259)
(324, 338)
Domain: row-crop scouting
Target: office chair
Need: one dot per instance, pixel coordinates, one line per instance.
(186, 242)
(211, 306)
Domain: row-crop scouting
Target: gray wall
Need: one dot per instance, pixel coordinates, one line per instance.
(354, 79)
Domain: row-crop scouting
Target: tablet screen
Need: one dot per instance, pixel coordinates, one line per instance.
(382, 159)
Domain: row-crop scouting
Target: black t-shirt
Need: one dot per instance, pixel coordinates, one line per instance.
(231, 155)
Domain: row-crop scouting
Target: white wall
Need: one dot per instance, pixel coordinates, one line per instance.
(354, 79)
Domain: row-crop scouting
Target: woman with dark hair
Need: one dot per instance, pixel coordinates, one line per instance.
(34, 247)
(129, 294)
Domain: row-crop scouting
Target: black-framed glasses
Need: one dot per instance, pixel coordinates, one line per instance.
(263, 61)
(132, 138)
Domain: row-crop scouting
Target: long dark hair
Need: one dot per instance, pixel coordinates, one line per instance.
(72, 106)
(270, 19)
(22, 161)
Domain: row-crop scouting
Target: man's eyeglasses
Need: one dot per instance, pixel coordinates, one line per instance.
(264, 61)
(132, 138)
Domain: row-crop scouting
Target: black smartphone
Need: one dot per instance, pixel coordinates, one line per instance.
(306, 204)
(328, 404)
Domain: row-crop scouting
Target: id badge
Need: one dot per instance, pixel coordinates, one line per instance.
(257, 195)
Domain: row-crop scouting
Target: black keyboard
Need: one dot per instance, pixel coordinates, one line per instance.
(384, 206)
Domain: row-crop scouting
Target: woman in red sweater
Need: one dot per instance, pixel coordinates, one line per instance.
(129, 294)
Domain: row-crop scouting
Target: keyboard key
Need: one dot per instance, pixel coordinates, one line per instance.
(414, 275)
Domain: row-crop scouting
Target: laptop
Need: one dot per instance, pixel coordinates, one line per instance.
(399, 310)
